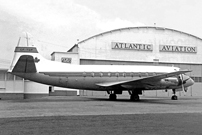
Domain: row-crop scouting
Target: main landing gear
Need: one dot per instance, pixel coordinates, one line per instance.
(134, 95)
(112, 97)
(174, 97)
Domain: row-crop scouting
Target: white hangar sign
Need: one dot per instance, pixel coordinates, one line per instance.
(184, 49)
(132, 46)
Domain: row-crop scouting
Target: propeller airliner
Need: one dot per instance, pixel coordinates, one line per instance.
(29, 64)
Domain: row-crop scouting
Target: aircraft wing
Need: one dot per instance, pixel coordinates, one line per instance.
(142, 81)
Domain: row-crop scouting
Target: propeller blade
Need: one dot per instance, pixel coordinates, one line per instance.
(181, 77)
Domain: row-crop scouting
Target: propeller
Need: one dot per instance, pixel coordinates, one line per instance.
(182, 82)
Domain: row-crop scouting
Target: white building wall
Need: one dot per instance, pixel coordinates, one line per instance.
(11, 87)
(14, 87)
(35, 88)
(71, 58)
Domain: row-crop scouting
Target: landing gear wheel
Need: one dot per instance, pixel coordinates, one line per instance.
(112, 97)
(174, 97)
(134, 97)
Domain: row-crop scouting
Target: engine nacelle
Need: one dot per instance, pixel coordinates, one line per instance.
(170, 81)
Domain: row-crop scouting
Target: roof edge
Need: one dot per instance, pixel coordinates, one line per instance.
(158, 28)
(75, 45)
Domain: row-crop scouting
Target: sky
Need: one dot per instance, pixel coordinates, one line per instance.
(56, 25)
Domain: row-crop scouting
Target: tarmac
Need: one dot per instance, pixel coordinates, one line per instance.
(97, 115)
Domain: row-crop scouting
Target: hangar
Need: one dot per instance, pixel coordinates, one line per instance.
(125, 46)
(141, 46)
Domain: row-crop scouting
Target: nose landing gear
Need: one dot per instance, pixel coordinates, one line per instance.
(174, 97)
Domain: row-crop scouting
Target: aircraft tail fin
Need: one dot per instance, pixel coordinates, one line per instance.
(25, 59)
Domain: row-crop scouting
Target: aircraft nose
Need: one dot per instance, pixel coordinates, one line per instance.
(191, 81)
(188, 81)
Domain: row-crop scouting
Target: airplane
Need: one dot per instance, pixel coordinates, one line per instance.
(29, 64)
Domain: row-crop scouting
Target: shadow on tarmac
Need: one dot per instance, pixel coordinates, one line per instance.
(148, 100)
